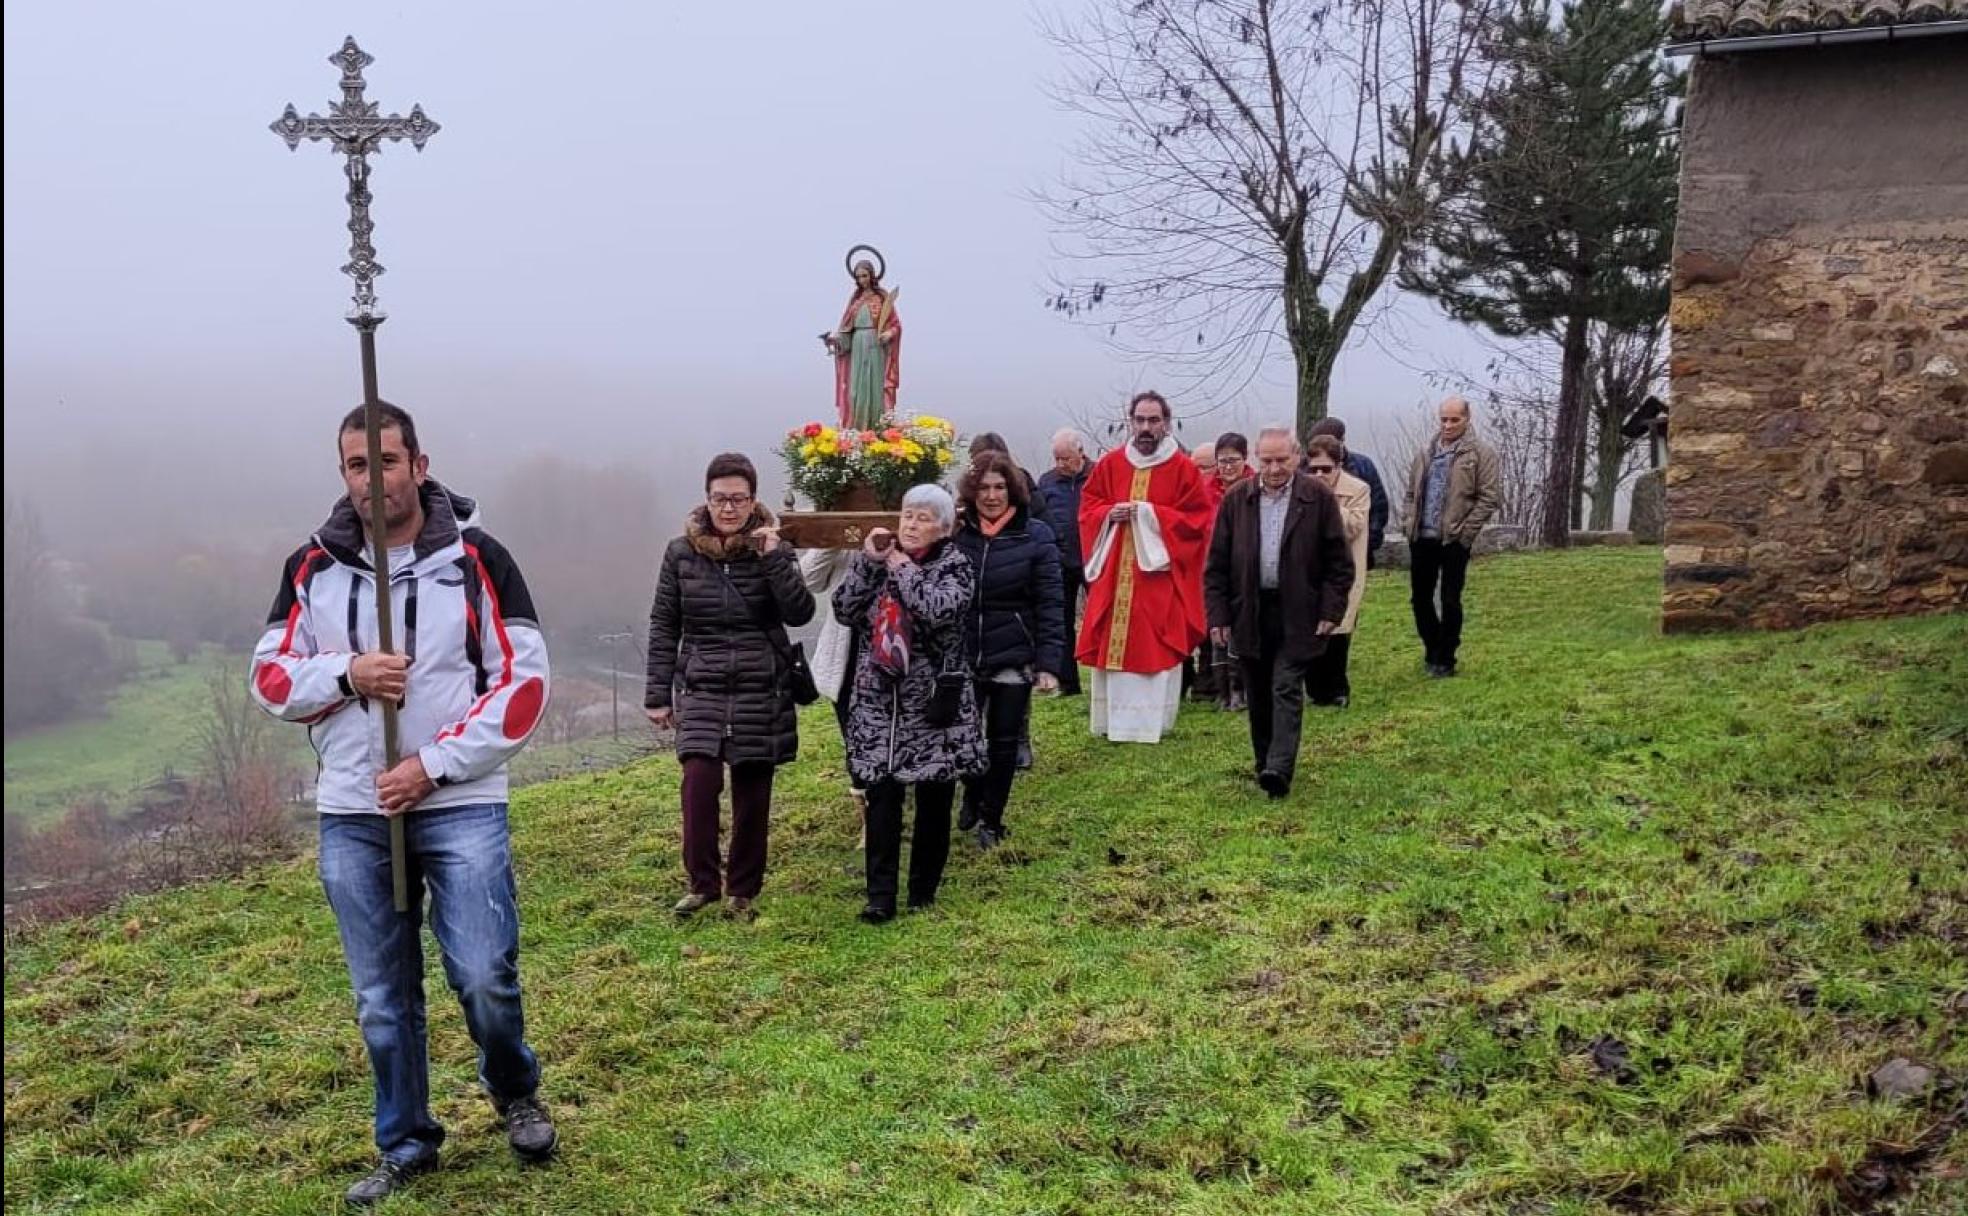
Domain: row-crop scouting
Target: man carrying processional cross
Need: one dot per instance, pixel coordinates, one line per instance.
(1144, 526)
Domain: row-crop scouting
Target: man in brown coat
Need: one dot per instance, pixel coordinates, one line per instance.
(1453, 489)
(1274, 587)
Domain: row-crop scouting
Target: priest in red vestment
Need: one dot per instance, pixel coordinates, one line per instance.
(1144, 527)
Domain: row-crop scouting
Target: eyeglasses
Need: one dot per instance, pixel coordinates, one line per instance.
(730, 502)
(1228, 462)
(1320, 470)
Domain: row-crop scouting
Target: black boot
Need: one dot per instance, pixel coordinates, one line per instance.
(529, 1129)
(387, 1179)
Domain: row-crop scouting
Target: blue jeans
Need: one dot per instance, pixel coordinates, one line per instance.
(464, 856)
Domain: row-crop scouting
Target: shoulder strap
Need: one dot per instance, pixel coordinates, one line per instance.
(774, 631)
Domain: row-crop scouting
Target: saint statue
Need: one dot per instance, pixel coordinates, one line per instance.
(866, 346)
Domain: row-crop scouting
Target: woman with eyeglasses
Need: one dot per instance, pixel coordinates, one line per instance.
(1325, 679)
(720, 673)
(1232, 463)
(913, 717)
(1218, 671)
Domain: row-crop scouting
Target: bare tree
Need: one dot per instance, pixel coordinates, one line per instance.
(237, 800)
(1518, 424)
(1402, 442)
(1628, 364)
(1253, 170)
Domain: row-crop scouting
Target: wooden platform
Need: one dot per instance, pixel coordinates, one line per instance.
(832, 529)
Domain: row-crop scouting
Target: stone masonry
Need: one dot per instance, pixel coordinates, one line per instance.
(1819, 454)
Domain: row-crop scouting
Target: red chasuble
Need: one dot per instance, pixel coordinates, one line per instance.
(1144, 608)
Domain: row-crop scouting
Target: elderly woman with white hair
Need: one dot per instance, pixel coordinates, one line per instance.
(913, 715)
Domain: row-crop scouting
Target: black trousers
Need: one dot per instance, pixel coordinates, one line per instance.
(1069, 671)
(1276, 690)
(928, 852)
(1435, 563)
(1006, 710)
(1325, 677)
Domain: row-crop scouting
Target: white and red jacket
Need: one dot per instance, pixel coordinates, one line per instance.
(478, 665)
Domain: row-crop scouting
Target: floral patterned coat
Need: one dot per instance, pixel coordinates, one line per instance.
(889, 737)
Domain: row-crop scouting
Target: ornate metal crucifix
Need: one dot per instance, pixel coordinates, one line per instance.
(354, 128)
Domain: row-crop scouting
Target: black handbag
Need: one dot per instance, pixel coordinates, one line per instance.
(799, 674)
(946, 702)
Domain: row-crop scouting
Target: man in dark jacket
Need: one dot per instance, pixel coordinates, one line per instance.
(1359, 466)
(1274, 587)
(1060, 491)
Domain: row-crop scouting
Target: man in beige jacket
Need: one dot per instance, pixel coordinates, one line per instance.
(1453, 489)
(1325, 678)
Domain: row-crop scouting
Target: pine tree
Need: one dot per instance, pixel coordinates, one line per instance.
(1566, 193)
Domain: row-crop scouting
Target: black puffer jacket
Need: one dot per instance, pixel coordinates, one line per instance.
(1018, 617)
(709, 659)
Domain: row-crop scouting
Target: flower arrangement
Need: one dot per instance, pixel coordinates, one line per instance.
(825, 462)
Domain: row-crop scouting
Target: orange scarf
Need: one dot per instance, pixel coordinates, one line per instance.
(988, 528)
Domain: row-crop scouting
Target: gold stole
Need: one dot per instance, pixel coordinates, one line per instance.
(1117, 629)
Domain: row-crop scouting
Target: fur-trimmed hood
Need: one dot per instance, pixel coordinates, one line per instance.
(707, 540)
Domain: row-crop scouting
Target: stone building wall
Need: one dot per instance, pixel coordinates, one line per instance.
(1819, 450)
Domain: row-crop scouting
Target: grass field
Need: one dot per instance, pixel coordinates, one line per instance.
(150, 726)
(1609, 924)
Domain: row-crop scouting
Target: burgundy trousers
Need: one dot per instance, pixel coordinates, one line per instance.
(751, 803)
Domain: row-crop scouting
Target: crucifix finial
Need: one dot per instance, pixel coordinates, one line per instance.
(354, 128)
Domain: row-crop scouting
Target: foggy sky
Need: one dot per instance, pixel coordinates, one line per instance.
(620, 246)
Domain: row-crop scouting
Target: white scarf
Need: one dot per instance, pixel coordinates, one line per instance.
(1150, 551)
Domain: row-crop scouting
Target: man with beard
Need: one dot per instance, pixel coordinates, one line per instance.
(470, 683)
(1144, 524)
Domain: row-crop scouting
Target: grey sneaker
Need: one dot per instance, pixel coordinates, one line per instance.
(738, 908)
(529, 1129)
(387, 1179)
